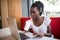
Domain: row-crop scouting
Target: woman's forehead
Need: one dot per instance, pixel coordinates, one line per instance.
(33, 8)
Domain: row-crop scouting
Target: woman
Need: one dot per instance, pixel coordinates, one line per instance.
(38, 23)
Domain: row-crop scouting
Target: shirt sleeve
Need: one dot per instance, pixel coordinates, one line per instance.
(27, 25)
(47, 20)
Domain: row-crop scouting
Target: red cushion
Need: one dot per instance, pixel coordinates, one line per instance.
(55, 26)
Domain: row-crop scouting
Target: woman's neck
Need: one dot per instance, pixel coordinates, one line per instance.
(37, 19)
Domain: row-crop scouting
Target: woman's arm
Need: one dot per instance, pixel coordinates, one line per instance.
(48, 31)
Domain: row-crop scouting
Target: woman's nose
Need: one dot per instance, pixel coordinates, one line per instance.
(32, 14)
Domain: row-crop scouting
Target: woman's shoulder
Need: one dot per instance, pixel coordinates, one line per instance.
(46, 17)
(47, 20)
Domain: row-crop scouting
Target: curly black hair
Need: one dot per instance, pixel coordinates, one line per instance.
(39, 6)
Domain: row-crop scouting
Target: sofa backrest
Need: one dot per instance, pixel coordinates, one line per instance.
(55, 25)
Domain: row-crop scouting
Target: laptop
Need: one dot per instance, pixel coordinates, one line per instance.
(14, 30)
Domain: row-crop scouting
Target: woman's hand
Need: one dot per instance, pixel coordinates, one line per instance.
(40, 34)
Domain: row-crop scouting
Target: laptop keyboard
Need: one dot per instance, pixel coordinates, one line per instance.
(23, 37)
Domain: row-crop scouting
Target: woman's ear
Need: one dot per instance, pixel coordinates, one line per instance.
(40, 10)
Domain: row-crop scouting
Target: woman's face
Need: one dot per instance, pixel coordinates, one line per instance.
(34, 12)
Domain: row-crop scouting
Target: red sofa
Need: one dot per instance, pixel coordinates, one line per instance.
(55, 25)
